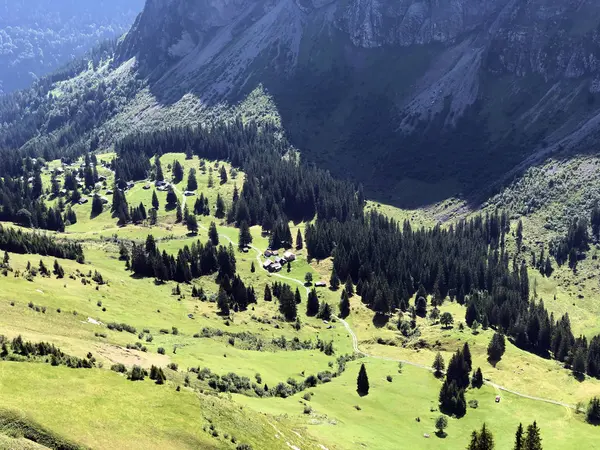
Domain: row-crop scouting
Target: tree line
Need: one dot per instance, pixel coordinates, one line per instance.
(16, 241)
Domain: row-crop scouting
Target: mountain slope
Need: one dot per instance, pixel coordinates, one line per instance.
(38, 36)
(417, 100)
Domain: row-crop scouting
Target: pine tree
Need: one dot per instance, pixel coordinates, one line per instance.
(268, 294)
(438, 365)
(324, 312)
(334, 281)
(158, 172)
(299, 242)
(519, 238)
(344, 305)
(533, 440)
(362, 382)
(220, 207)
(96, 206)
(297, 296)
(213, 234)
(312, 304)
(349, 286)
(6, 259)
(593, 411)
(421, 306)
(245, 237)
(223, 175)
(466, 352)
(178, 214)
(192, 182)
(58, 270)
(223, 302)
(519, 440)
(477, 380)
(252, 267)
(496, 347)
(155, 203)
(171, 198)
(177, 172)
(192, 224)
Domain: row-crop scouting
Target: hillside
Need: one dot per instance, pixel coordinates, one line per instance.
(38, 37)
(201, 244)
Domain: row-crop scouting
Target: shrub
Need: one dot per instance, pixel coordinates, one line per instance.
(120, 368)
(307, 409)
(307, 397)
(473, 404)
(389, 378)
(137, 374)
(174, 367)
(161, 350)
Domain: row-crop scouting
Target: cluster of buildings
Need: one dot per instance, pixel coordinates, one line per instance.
(277, 263)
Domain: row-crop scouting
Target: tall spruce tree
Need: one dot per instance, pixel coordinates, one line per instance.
(312, 304)
(299, 242)
(344, 305)
(438, 365)
(533, 440)
(155, 203)
(177, 172)
(519, 438)
(245, 237)
(268, 294)
(213, 234)
(362, 382)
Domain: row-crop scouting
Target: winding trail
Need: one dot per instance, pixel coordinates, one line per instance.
(488, 382)
(384, 358)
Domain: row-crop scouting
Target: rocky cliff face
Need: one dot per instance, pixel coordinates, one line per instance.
(517, 78)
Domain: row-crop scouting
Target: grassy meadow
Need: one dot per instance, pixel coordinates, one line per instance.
(100, 408)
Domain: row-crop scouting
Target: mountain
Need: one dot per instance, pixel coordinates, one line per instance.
(39, 36)
(418, 100)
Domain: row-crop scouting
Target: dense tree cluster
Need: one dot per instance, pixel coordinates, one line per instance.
(575, 243)
(275, 187)
(191, 262)
(452, 394)
(17, 241)
(389, 263)
(234, 295)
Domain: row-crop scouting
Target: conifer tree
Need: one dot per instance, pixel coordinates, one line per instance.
(155, 203)
(223, 175)
(324, 312)
(466, 352)
(297, 296)
(213, 234)
(344, 305)
(312, 304)
(158, 172)
(192, 224)
(192, 182)
(96, 206)
(268, 294)
(223, 302)
(438, 365)
(220, 207)
(496, 347)
(178, 213)
(299, 242)
(334, 281)
(252, 267)
(362, 382)
(177, 172)
(519, 438)
(477, 380)
(533, 440)
(349, 286)
(245, 237)
(58, 270)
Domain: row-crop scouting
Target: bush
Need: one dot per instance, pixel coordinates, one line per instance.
(137, 374)
(120, 368)
(244, 447)
(174, 367)
(389, 378)
(473, 404)
(161, 350)
(307, 409)
(307, 396)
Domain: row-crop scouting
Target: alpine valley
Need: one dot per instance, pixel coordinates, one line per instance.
(303, 224)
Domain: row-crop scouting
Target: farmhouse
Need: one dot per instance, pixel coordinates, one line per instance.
(320, 284)
(289, 256)
(275, 267)
(147, 186)
(267, 264)
(268, 253)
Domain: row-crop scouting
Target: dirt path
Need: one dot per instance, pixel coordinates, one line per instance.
(489, 383)
(355, 339)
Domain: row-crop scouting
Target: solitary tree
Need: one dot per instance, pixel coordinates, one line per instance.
(155, 203)
(297, 296)
(438, 365)
(177, 171)
(446, 320)
(6, 259)
(299, 243)
(220, 207)
(192, 224)
(362, 382)
(496, 347)
(308, 278)
(58, 270)
(96, 206)
(466, 352)
(441, 424)
(344, 305)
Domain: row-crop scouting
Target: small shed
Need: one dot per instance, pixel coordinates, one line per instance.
(275, 267)
(83, 201)
(147, 186)
(267, 264)
(188, 193)
(320, 284)
(268, 253)
(289, 256)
